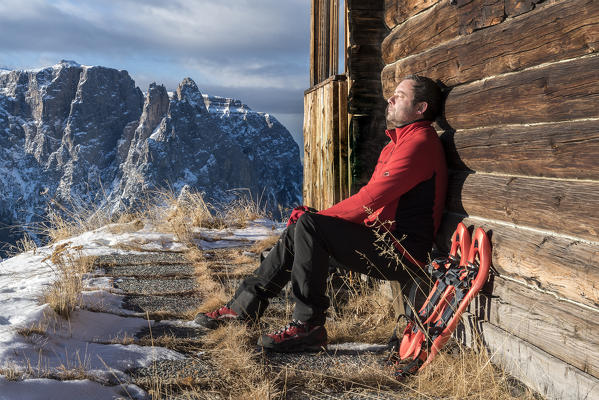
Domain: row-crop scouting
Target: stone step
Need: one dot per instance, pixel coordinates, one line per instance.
(140, 258)
(175, 306)
(149, 270)
(161, 286)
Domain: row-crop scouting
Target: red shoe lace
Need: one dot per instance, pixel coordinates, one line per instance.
(223, 310)
(289, 330)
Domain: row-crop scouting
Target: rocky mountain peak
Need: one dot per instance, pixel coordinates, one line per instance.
(188, 91)
(74, 133)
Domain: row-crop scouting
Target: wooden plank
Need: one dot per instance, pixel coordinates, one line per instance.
(318, 145)
(343, 142)
(366, 27)
(560, 150)
(549, 204)
(308, 131)
(334, 148)
(556, 92)
(544, 373)
(364, 62)
(313, 41)
(365, 96)
(327, 164)
(478, 14)
(334, 37)
(514, 8)
(367, 140)
(428, 29)
(560, 328)
(397, 11)
(365, 5)
(561, 265)
(556, 31)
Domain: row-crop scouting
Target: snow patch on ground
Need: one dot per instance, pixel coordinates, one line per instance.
(90, 340)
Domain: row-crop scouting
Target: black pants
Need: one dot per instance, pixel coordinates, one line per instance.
(302, 256)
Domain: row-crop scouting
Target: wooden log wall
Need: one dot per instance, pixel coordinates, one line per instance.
(366, 104)
(326, 177)
(521, 134)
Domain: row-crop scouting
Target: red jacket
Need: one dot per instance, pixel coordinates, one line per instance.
(408, 187)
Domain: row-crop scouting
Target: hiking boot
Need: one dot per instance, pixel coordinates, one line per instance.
(216, 318)
(295, 337)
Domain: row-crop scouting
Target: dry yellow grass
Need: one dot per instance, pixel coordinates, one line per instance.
(64, 295)
(23, 245)
(264, 244)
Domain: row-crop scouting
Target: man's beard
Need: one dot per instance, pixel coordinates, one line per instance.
(391, 123)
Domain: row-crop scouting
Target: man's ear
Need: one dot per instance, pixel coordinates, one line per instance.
(421, 107)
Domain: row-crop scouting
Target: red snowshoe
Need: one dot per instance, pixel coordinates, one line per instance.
(458, 278)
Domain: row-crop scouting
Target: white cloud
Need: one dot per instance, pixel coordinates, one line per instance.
(245, 44)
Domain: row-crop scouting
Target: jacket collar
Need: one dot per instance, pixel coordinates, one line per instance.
(401, 131)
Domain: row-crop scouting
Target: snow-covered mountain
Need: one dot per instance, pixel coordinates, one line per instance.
(88, 133)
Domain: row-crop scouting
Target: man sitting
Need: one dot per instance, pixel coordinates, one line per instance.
(407, 189)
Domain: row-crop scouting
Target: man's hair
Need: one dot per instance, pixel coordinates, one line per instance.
(427, 90)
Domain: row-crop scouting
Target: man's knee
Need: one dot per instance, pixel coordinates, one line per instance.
(307, 220)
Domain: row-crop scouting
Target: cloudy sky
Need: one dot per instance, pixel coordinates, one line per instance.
(254, 50)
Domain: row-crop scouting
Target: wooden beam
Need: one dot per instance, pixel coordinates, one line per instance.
(559, 150)
(558, 327)
(556, 31)
(544, 373)
(365, 96)
(562, 265)
(343, 141)
(556, 92)
(364, 62)
(397, 11)
(366, 27)
(334, 37)
(478, 14)
(549, 204)
(428, 29)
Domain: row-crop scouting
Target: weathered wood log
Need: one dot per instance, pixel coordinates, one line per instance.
(544, 373)
(378, 5)
(570, 207)
(309, 121)
(397, 11)
(556, 92)
(365, 96)
(553, 32)
(565, 266)
(559, 150)
(479, 14)
(364, 62)
(367, 139)
(428, 29)
(514, 8)
(562, 329)
(366, 27)
(344, 178)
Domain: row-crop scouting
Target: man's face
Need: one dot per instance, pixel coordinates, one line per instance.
(401, 108)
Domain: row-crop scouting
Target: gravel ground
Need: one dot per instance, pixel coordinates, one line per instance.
(156, 286)
(177, 305)
(162, 329)
(149, 284)
(148, 270)
(140, 258)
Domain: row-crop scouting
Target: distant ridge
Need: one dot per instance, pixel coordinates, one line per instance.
(87, 133)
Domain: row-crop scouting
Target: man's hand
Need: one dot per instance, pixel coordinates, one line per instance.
(298, 212)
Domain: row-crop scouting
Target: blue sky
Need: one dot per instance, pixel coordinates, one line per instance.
(254, 50)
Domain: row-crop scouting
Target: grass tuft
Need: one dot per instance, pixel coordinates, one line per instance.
(64, 295)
